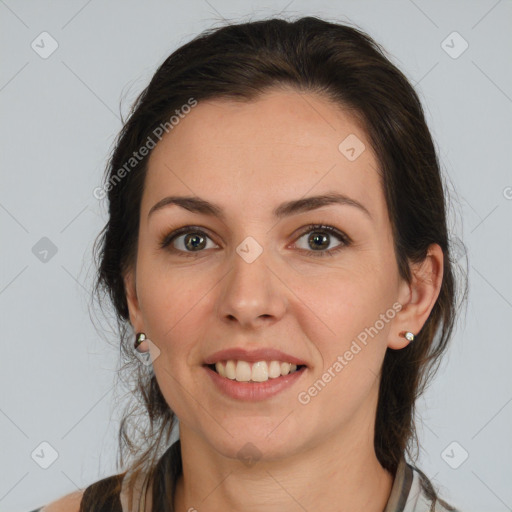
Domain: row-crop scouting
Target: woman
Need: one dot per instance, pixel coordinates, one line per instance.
(277, 245)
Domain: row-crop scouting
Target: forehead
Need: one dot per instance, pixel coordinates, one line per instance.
(254, 155)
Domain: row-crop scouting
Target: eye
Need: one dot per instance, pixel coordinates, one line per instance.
(186, 240)
(319, 238)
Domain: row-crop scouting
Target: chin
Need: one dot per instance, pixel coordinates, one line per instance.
(253, 443)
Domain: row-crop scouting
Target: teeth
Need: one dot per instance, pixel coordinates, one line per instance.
(261, 371)
(221, 370)
(243, 371)
(274, 369)
(230, 369)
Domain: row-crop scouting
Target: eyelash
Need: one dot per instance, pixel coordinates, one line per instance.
(346, 241)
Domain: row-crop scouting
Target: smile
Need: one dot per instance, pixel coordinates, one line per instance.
(249, 389)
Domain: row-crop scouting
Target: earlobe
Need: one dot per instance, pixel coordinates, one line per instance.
(422, 294)
(140, 343)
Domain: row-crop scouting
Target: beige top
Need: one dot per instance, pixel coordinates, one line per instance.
(409, 495)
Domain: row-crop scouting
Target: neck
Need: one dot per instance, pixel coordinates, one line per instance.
(341, 474)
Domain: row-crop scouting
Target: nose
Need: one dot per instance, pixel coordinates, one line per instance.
(252, 295)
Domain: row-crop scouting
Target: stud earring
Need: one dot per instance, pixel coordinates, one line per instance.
(139, 338)
(408, 335)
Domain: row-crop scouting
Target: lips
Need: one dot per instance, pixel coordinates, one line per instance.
(252, 356)
(253, 391)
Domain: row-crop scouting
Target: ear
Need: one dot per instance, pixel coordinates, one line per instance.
(133, 302)
(418, 297)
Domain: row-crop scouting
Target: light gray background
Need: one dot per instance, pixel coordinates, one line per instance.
(59, 117)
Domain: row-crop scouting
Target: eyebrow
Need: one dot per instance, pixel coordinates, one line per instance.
(198, 205)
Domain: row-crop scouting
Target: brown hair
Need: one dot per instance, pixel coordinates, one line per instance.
(241, 62)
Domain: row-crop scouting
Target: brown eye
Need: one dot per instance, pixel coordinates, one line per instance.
(319, 240)
(186, 240)
(194, 241)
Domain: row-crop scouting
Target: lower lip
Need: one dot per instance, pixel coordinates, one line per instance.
(254, 391)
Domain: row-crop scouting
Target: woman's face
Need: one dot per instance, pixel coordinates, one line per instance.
(248, 278)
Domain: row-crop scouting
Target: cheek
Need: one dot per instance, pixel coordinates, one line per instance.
(350, 316)
(173, 304)
(350, 341)
(174, 317)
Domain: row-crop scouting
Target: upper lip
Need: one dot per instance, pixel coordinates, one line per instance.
(252, 356)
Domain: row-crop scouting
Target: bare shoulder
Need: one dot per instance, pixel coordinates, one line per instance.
(68, 503)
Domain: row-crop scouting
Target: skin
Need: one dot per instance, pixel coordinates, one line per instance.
(248, 158)
(70, 502)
